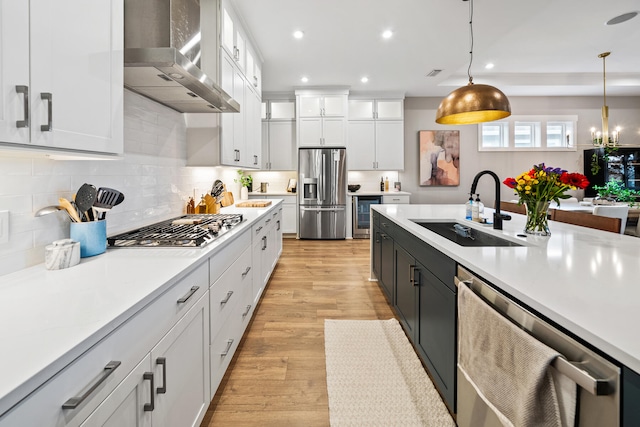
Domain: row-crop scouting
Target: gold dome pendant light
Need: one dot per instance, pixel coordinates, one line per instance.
(473, 103)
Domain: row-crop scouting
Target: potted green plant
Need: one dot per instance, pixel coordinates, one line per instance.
(614, 191)
(246, 184)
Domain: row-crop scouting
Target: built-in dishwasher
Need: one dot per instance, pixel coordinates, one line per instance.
(598, 380)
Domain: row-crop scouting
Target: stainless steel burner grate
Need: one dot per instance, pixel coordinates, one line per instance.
(184, 231)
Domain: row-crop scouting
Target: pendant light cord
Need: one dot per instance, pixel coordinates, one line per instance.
(471, 41)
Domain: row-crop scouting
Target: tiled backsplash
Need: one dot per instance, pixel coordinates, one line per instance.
(152, 175)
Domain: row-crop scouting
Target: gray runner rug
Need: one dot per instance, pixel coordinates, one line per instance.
(374, 377)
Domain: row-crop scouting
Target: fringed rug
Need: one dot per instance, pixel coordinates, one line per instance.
(374, 377)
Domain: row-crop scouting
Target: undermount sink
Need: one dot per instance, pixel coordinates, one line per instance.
(465, 236)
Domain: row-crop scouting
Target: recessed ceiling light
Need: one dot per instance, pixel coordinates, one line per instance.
(364, 79)
(298, 34)
(304, 79)
(621, 18)
(387, 34)
(489, 66)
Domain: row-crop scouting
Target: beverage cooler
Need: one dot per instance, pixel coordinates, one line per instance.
(362, 215)
(621, 165)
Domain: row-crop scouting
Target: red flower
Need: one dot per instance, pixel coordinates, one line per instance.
(510, 182)
(574, 179)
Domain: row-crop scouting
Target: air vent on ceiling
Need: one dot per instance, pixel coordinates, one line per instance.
(433, 73)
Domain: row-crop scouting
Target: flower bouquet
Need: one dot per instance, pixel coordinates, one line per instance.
(538, 187)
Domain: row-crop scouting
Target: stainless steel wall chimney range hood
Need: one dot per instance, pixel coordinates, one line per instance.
(162, 56)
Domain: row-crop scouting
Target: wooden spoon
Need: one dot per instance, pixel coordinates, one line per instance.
(70, 209)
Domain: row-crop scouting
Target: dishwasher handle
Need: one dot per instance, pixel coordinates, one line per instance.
(572, 370)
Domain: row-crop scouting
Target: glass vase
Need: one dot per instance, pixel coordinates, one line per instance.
(537, 218)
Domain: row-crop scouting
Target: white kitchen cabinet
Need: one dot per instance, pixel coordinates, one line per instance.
(64, 109)
(233, 39)
(180, 363)
(395, 199)
(329, 131)
(170, 387)
(69, 397)
(233, 150)
(289, 213)
(253, 130)
(322, 117)
(278, 134)
(376, 109)
(376, 134)
(130, 403)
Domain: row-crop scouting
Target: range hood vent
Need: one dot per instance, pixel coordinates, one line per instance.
(162, 56)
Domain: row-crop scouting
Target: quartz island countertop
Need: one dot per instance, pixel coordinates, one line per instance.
(585, 280)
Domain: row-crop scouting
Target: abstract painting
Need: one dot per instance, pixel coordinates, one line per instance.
(439, 157)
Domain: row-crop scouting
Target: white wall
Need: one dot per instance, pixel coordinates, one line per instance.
(152, 175)
(419, 114)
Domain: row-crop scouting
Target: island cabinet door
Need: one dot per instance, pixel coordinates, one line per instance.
(436, 340)
(630, 398)
(406, 301)
(386, 265)
(376, 248)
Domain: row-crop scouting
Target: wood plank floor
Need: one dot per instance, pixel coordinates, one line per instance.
(278, 374)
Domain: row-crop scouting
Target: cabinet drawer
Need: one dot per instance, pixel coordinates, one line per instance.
(223, 347)
(395, 199)
(127, 344)
(228, 293)
(223, 259)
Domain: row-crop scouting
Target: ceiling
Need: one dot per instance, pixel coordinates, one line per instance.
(539, 48)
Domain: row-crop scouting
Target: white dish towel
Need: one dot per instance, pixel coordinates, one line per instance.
(511, 370)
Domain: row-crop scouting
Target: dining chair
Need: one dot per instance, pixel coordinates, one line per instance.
(512, 207)
(587, 220)
(617, 211)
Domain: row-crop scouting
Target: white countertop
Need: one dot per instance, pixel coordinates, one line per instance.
(50, 317)
(377, 193)
(271, 193)
(586, 280)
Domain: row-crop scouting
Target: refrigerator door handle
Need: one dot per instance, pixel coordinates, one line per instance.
(324, 209)
(324, 177)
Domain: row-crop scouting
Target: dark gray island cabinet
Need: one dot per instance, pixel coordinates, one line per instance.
(418, 281)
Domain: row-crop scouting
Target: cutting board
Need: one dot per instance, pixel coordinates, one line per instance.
(254, 204)
(227, 198)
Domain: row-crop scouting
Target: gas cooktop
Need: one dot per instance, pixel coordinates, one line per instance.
(183, 231)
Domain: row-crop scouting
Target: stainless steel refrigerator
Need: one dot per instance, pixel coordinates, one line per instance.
(322, 193)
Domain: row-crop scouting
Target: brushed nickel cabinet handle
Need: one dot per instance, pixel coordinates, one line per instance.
(246, 272)
(226, 300)
(246, 311)
(24, 90)
(189, 294)
(74, 402)
(226, 350)
(151, 405)
(162, 361)
(46, 96)
(264, 242)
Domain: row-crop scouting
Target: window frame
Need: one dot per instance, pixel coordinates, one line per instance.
(539, 125)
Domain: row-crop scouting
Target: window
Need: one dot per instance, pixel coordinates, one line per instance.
(528, 133)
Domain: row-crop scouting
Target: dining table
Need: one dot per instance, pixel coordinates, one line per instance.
(587, 207)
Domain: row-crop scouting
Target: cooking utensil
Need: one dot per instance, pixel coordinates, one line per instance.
(51, 209)
(85, 199)
(217, 189)
(106, 199)
(71, 210)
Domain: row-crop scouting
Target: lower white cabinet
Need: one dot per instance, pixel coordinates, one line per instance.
(395, 199)
(162, 366)
(288, 211)
(170, 387)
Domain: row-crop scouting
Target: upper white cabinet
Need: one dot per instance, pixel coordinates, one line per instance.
(376, 134)
(62, 76)
(322, 117)
(278, 134)
(376, 109)
(230, 139)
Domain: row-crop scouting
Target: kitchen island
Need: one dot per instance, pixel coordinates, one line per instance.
(584, 280)
(112, 309)
(579, 279)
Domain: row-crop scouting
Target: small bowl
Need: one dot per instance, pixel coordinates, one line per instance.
(353, 187)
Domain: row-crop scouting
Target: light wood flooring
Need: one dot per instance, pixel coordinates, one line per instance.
(278, 376)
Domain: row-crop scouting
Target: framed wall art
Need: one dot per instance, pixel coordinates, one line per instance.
(439, 157)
